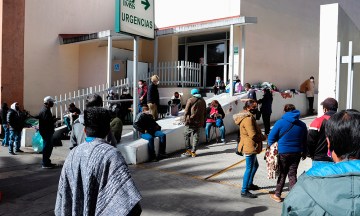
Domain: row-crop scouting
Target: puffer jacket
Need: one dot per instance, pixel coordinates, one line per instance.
(15, 120)
(328, 189)
(195, 112)
(251, 136)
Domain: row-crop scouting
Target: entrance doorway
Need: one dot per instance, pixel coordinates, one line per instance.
(213, 56)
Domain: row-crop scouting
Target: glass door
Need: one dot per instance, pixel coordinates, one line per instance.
(215, 63)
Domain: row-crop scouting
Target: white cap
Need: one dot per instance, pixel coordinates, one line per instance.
(48, 99)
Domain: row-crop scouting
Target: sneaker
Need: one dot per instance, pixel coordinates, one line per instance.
(49, 166)
(187, 154)
(247, 194)
(167, 114)
(274, 197)
(253, 187)
(193, 154)
(163, 156)
(6, 145)
(154, 160)
(19, 150)
(2, 144)
(223, 141)
(12, 153)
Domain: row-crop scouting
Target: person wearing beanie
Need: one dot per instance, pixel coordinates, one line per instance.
(153, 97)
(308, 87)
(195, 116)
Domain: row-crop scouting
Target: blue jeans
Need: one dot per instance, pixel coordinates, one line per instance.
(140, 109)
(47, 150)
(315, 163)
(15, 136)
(150, 138)
(6, 138)
(208, 127)
(252, 165)
(67, 122)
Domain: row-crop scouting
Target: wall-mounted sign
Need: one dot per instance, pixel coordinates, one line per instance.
(202, 61)
(117, 67)
(236, 50)
(135, 17)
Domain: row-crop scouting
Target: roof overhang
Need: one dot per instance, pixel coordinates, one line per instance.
(199, 27)
(206, 26)
(86, 38)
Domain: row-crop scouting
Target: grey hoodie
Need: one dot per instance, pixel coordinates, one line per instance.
(78, 134)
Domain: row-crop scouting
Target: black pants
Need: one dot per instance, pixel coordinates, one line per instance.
(266, 120)
(216, 89)
(311, 103)
(289, 163)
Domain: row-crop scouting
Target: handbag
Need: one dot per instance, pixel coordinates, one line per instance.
(272, 158)
(219, 122)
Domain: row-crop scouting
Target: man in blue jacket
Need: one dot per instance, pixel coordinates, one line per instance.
(332, 188)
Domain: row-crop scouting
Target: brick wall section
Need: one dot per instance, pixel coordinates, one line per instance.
(12, 52)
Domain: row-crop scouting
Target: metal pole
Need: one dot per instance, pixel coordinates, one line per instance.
(135, 74)
(225, 61)
(109, 60)
(231, 62)
(243, 55)
(350, 78)
(338, 61)
(155, 55)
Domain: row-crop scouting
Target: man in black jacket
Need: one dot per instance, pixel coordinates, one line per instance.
(3, 115)
(46, 129)
(153, 96)
(149, 129)
(317, 143)
(16, 124)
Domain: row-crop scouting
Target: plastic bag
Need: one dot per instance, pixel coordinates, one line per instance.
(37, 142)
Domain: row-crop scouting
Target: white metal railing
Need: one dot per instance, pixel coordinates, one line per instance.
(79, 97)
(180, 73)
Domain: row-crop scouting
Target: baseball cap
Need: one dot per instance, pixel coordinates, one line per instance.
(48, 99)
(330, 103)
(71, 105)
(194, 91)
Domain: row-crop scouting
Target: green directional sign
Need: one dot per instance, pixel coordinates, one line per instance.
(135, 17)
(146, 3)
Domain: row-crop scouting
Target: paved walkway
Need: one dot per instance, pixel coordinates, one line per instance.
(206, 185)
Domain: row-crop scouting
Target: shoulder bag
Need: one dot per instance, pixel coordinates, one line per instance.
(272, 158)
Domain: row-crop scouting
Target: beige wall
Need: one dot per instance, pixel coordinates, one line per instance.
(51, 69)
(168, 49)
(283, 47)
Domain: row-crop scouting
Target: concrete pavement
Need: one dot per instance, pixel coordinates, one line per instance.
(206, 185)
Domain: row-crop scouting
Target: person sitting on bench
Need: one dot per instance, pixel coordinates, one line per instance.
(215, 113)
(175, 100)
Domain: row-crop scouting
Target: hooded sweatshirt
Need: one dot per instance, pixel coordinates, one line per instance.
(3, 113)
(295, 140)
(13, 107)
(328, 189)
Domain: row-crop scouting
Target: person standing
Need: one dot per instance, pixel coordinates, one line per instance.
(195, 116)
(95, 179)
(292, 146)
(142, 92)
(16, 124)
(251, 94)
(308, 87)
(219, 85)
(148, 128)
(125, 105)
(46, 129)
(116, 125)
(153, 97)
(266, 109)
(317, 143)
(250, 145)
(78, 135)
(3, 115)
